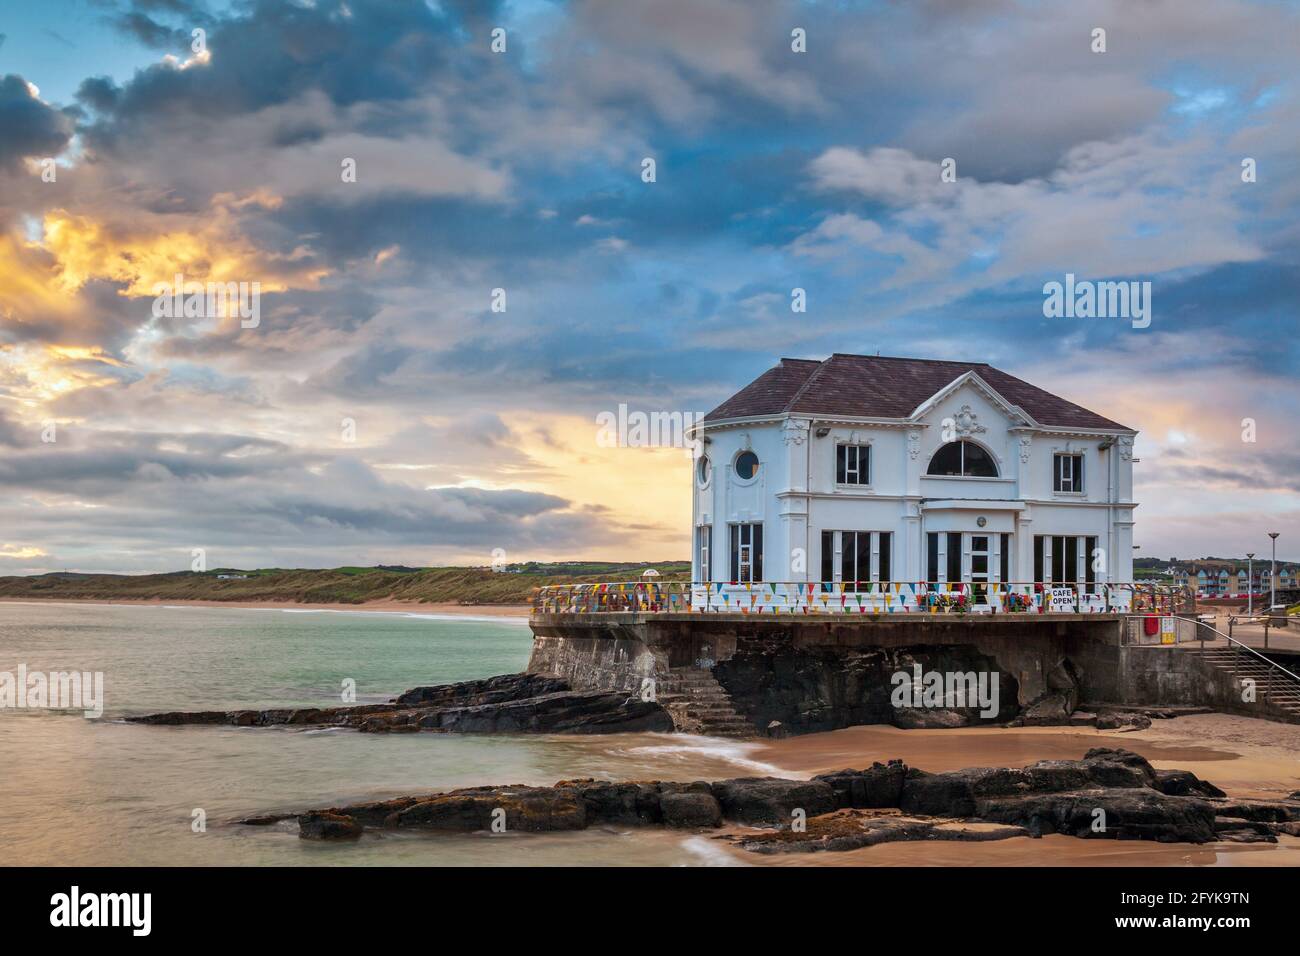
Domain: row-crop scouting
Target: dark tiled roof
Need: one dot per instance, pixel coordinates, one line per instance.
(872, 386)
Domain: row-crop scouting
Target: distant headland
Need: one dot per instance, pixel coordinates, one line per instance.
(383, 586)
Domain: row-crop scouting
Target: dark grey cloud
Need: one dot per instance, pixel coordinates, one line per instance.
(31, 127)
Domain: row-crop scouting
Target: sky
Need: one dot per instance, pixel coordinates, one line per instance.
(381, 410)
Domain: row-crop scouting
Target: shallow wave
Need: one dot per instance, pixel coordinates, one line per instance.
(709, 852)
(718, 748)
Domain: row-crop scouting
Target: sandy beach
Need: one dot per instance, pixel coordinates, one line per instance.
(1244, 756)
(409, 607)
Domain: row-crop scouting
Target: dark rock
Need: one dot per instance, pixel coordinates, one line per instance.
(772, 800)
(619, 803)
(1122, 720)
(529, 809)
(814, 688)
(1268, 811)
(328, 826)
(1182, 783)
(509, 703)
(1246, 836)
(561, 712)
(880, 785)
(690, 810)
(1130, 814)
(929, 718)
(1052, 710)
(491, 690)
(855, 829)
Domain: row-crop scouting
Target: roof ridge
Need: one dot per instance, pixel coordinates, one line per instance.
(789, 406)
(907, 358)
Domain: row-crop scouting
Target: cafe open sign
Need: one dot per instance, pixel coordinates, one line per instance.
(1061, 601)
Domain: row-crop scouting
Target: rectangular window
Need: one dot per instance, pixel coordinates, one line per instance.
(932, 556)
(1067, 551)
(704, 539)
(746, 552)
(1068, 473)
(954, 556)
(853, 464)
(846, 557)
(1004, 573)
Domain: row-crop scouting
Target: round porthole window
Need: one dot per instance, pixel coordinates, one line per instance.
(703, 470)
(746, 465)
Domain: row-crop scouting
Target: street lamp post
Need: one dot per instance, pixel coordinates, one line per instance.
(1272, 574)
(1250, 584)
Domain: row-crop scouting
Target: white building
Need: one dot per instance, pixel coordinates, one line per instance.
(860, 470)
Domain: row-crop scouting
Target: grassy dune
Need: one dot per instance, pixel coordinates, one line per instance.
(333, 585)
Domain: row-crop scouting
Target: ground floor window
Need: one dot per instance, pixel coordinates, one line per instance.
(746, 552)
(857, 557)
(967, 556)
(1066, 559)
(703, 547)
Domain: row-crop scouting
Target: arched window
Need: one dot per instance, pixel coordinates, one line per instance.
(963, 459)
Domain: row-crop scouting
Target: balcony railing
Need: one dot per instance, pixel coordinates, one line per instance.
(866, 597)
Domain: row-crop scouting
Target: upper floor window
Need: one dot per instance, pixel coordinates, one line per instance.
(746, 465)
(703, 470)
(853, 464)
(1067, 473)
(963, 459)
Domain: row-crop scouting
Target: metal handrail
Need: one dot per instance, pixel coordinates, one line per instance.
(1245, 647)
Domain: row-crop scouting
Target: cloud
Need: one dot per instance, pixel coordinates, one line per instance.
(32, 128)
(521, 171)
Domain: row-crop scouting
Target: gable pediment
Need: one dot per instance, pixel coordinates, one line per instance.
(967, 418)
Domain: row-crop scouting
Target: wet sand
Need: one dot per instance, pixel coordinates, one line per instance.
(1046, 851)
(409, 607)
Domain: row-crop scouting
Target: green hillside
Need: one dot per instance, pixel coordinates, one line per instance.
(349, 585)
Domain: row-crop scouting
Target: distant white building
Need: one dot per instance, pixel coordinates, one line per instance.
(862, 469)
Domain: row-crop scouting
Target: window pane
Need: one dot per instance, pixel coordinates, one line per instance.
(1005, 556)
(1038, 559)
(864, 557)
(864, 465)
(954, 556)
(979, 463)
(886, 539)
(746, 465)
(1078, 473)
(947, 460)
(932, 556)
(828, 556)
(847, 554)
(841, 454)
(1071, 559)
(758, 552)
(735, 553)
(1090, 575)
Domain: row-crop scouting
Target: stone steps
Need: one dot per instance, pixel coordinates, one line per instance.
(699, 704)
(1274, 687)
